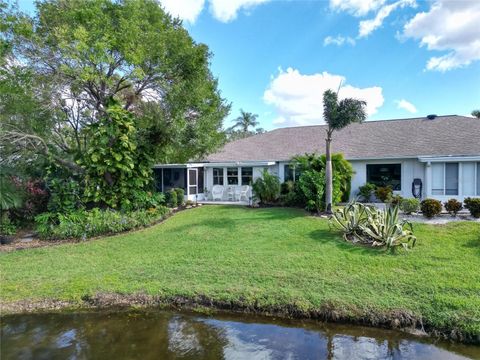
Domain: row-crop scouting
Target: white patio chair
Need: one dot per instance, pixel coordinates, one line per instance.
(244, 192)
(230, 193)
(217, 192)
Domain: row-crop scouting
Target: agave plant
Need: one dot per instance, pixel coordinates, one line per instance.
(350, 220)
(385, 229)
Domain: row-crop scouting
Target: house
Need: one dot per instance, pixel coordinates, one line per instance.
(435, 156)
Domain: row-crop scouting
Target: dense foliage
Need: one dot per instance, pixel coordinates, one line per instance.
(312, 168)
(372, 226)
(116, 167)
(267, 188)
(431, 207)
(453, 206)
(100, 91)
(83, 224)
(473, 205)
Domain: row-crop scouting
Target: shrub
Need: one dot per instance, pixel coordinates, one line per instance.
(342, 170)
(7, 228)
(349, 220)
(395, 200)
(384, 193)
(312, 184)
(64, 195)
(189, 203)
(267, 188)
(410, 205)
(171, 198)
(369, 225)
(453, 206)
(95, 222)
(473, 205)
(142, 200)
(430, 207)
(180, 196)
(385, 229)
(291, 195)
(366, 191)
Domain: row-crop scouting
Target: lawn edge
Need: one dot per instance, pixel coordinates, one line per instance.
(397, 319)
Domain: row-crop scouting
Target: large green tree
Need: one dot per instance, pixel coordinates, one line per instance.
(76, 56)
(337, 115)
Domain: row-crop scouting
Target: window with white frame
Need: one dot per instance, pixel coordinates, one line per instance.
(292, 172)
(217, 176)
(232, 176)
(445, 178)
(247, 175)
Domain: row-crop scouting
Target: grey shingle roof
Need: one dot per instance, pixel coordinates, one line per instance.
(442, 136)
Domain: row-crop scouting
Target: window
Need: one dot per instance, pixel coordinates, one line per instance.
(468, 178)
(201, 185)
(291, 172)
(451, 179)
(247, 175)
(445, 178)
(232, 176)
(217, 176)
(478, 178)
(385, 175)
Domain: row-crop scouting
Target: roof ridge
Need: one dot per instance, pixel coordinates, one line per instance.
(370, 121)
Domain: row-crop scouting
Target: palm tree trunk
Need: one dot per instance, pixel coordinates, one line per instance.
(328, 176)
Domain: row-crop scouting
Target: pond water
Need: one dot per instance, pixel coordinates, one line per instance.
(169, 335)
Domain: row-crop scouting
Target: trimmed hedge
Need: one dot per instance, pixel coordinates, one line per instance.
(431, 207)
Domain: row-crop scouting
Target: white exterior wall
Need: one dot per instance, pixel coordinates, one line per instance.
(411, 169)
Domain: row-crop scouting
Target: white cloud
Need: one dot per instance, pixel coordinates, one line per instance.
(223, 10)
(187, 10)
(451, 26)
(406, 105)
(298, 98)
(226, 10)
(366, 27)
(356, 7)
(338, 40)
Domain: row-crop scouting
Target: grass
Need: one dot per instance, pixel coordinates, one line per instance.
(268, 257)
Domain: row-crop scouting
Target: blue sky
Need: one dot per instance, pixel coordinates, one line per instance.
(406, 58)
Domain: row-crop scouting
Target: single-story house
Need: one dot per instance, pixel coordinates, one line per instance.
(434, 156)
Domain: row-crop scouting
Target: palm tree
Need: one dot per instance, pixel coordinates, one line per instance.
(338, 114)
(245, 121)
(476, 113)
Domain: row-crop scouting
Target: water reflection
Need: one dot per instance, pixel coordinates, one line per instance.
(166, 335)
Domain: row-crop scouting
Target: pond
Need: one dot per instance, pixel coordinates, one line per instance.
(169, 335)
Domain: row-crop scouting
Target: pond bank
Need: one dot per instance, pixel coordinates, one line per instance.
(402, 320)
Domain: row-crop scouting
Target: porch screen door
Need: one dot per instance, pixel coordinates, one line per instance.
(192, 182)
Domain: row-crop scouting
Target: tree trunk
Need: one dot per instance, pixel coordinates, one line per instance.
(328, 176)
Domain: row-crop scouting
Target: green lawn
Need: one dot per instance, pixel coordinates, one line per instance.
(272, 256)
